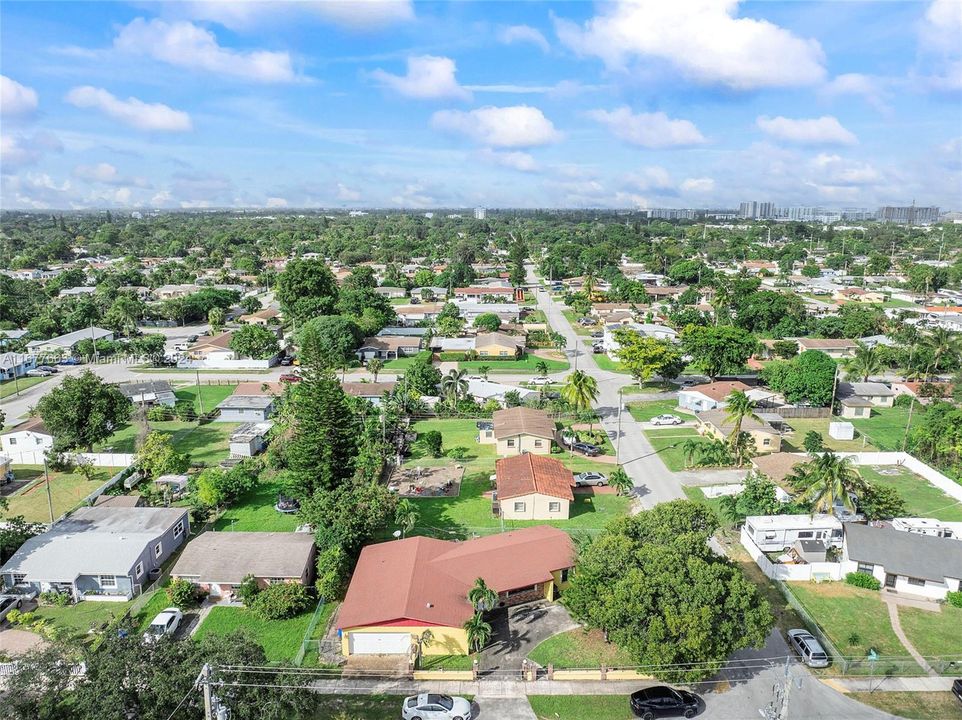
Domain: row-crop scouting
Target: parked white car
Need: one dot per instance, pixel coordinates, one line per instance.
(590, 478)
(166, 623)
(539, 381)
(429, 706)
(666, 419)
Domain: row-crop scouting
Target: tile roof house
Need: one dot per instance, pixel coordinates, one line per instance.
(218, 562)
(371, 391)
(498, 345)
(709, 396)
(389, 347)
(401, 588)
(532, 487)
(830, 346)
(716, 423)
(518, 430)
(904, 562)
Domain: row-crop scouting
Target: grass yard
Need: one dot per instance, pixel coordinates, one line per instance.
(368, 707)
(572, 317)
(645, 411)
(527, 363)
(10, 387)
(77, 620)
(280, 639)
(66, 491)
(580, 707)
(204, 397)
(695, 494)
(206, 444)
(793, 442)
(455, 433)
(310, 657)
(922, 499)
(843, 610)
(579, 649)
(157, 604)
(647, 388)
(606, 363)
(446, 662)
(254, 511)
(403, 362)
(886, 428)
(913, 705)
(933, 634)
(668, 444)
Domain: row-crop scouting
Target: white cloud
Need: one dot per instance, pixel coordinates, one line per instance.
(16, 99)
(652, 178)
(187, 45)
(101, 172)
(17, 151)
(826, 130)
(251, 14)
(414, 196)
(702, 39)
(874, 90)
(346, 194)
(523, 34)
(276, 202)
(834, 170)
(698, 185)
(514, 126)
(133, 112)
(427, 76)
(940, 45)
(515, 160)
(651, 130)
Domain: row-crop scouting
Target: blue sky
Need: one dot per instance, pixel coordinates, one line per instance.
(695, 103)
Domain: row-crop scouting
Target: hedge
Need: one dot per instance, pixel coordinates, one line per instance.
(863, 580)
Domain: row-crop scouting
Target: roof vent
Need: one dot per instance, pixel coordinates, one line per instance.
(430, 605)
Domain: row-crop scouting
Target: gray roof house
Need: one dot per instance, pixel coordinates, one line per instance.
(906, 563)
(149, 392)
(103, 553)
(246, 408)
(64, 344)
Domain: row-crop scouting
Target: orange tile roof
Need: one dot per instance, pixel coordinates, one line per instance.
(527, 474)
(719, 390)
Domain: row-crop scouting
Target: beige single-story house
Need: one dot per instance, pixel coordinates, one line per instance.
(532, 487)
(858, 398)
(388, 347)
(715, 423)
(518, 430)
(836, 349)
(498, 345)
(267, 316)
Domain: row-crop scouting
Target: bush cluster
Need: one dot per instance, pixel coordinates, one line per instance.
(863, 580)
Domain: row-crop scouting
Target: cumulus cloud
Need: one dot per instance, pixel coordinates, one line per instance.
(874, 90)
(186, 45)
(651, 130)
(523, 34)
(698, 185)
(701, 39)
(653, 178)
(836, 170)
(16, 99)
(414, 195)
(427, 76)
(250, 14)
(107, 174)
(346, 194)
(133, 112)
(276, 202)
(515, 160)
(940, 44)
(512, 127)
(826, 130)
(17, 151)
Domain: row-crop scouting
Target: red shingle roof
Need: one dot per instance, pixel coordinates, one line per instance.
(718, 391)
(526, 474)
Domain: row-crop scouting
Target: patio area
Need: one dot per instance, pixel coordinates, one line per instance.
(416, 482)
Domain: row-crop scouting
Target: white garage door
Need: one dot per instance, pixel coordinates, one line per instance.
(380, 643)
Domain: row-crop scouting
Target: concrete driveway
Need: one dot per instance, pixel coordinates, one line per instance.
(518, 630)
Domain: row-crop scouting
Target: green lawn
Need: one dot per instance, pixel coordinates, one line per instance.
(933, 634)
(794, 442)
(77, 620)
(206, 443)
(158, 603)
(446, 662)
(606, 363)
(527, 363)
(886, 428)
(921, 498)
(572, 317)
(581, 707)
(647, 388)
(254, 511)
(310, 657)
(403, 362)
(205, 397)
(280, 639)
(913, 705)
(695, 494)
(10, 387)
(67, 490)
(579, 649)
(357, 707)
(841, 610)
(668, 445)
(645, 411)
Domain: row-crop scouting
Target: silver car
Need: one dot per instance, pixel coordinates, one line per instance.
(810, 649)
(590, 478)
(429, 706)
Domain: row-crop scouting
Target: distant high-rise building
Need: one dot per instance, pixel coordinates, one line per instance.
(480, 213)
(908, 214)
(853, 213)
(671, 214)
(755, 210)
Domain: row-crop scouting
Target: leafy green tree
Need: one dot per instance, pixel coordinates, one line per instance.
(785, 349)
(328, 341)
(333, 569)
(881, 502)
(718, 350)
(251, 304)
(358, 299)
(305, 289)
(406, 516)
(739, 406)
(454, 386)
(541, 367)
(810, 378)
(254, 341)
(282, 600)
(422, 376)
(867, 362)
(374, 366)
(813, 442)
(216, 318)
(351, 515)
(157, 456)
(124, 314)
(433, 442)
(621, 482)
(14, 532)
(826, 479)
(645, 357)
(488, 322)
(83, 411)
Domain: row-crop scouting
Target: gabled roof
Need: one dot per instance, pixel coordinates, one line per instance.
(522, 421)
(227, 557)
(34, 424)
(826, 343)
(718, 391)
(864, 389)
(778, 466)
(390, 342)
(369, 389)
(218, 342)
(903, 553)
(528, 473)
(719, 420)
(145, 387)
(427, 581)
(497, 338)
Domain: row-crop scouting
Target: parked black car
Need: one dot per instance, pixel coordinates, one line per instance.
(957, 689)
(586, 449)
(287, 360)
(663, 701)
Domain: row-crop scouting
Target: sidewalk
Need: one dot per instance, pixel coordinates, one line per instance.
(889, 684)
(485, 688)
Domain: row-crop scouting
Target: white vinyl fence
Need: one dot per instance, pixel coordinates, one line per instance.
(777, 571)
(35, 457)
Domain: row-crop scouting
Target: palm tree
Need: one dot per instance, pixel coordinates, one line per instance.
(865, 363)
(374, 366)
(826, 479)
(743, 448)
(739, 407)
(621, 482)
(580, 391)
(691, 447)
(483, 372)
(454, 385)
(589, 283)
(481, 597)
(541, 367)
(479, 632)
(406, 516)
(729, 506)
(944, 345)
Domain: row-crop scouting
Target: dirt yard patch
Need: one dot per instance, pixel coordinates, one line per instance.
(416, 482)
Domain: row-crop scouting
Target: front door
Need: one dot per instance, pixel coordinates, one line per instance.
(890, 580)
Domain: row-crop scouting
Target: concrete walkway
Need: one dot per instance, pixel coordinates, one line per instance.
(893, 609)
(889, 684)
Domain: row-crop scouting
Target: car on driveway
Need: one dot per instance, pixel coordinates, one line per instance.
(69, 361)
(431, 706)
(166, 623)
(290, 378)
(957, 689)
(539, 381)
(48, 368)
(590, 478)
(662, 701)
(666, 419)
(37, 372)
(808, 648)
(287, 360)
(586, 449)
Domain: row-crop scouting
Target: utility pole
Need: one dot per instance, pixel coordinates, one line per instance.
(49, 496)
(200, 394)
(621, 405)
(204, 680)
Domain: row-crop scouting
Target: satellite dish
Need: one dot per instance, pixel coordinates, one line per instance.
(397, 534)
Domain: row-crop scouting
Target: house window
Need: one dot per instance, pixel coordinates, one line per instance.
(538, 443)
(178, 529)
(510, 443)
(108, 581)
(804, 534)
(519, 507)
(766, 441)
(158, 549)
(770, 536)
(139, 570)
(867, 568)
(554, 507)
(13, 441)
(17, 578)
(276, 580)
(918, 582)
(503, 353)
(564, 575)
